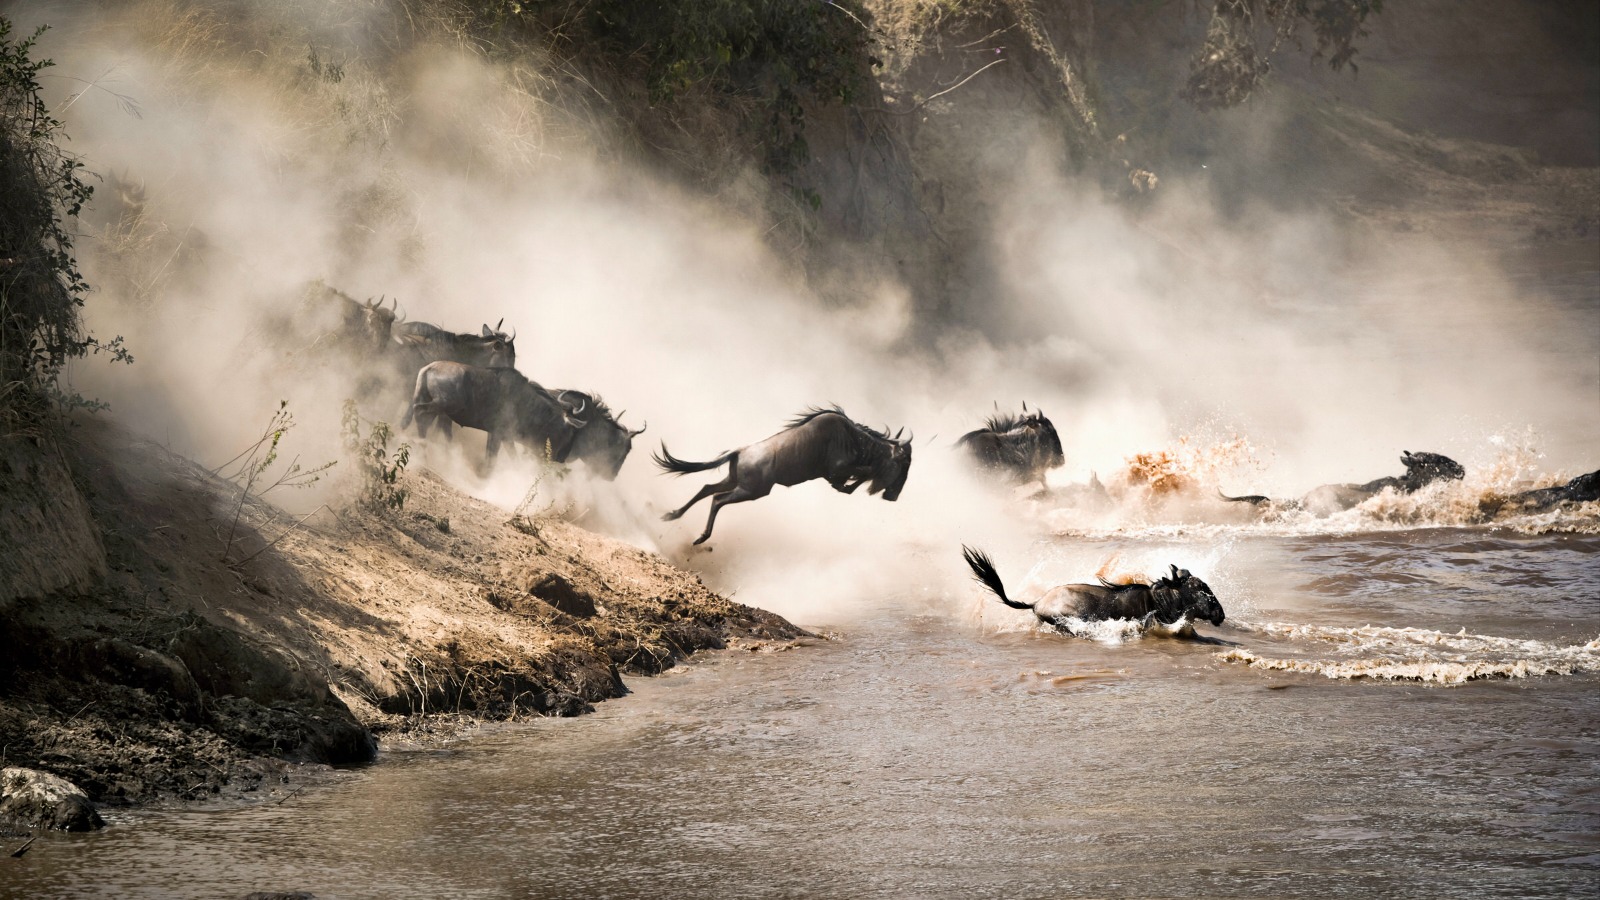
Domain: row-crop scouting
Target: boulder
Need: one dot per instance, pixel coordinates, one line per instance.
(33, 799)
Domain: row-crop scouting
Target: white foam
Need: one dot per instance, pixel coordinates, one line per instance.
(1417, 654)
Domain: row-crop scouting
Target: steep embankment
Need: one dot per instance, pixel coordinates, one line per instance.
(177, 675)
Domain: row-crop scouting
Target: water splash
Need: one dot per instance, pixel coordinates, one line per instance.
(1175, 492)
(1415, 654)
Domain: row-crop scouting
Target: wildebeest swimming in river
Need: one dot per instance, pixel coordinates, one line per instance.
(1583, 489)
(1422, 469)
(1022, 448)
(821, 443)
(500, 401)
(604, 443)
(1177, 595)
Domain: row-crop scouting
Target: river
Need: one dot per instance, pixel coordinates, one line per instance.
(1405, 713)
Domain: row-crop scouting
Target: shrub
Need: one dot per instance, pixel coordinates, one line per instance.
(41, 290)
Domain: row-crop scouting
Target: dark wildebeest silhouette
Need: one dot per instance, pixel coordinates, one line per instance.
(1583, 489)
(368, 326)
(364, 327)
(1022, 448)
(821, 443)
(1422, 469)
(604, 443)
(1177, 595)
(500, 401)
(422, 343)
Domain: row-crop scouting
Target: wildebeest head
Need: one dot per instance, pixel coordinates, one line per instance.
(501, 349)
(1423, 469)
(604, 442)
(377, 323)
(890, 473)
(1049, 441)
(1180, 594)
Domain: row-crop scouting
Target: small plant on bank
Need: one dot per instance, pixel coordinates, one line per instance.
(249, 469)
(380, 470)
(521, 519)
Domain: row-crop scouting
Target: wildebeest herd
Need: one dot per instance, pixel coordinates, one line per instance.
(471, 380)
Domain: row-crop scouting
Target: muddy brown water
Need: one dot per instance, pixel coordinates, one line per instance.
(930, 751)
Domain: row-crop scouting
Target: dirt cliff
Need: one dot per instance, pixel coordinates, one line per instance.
(173, 674)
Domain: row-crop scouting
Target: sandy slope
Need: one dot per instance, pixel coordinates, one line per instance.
(179, 675)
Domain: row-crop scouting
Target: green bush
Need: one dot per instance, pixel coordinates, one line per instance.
(41, 290)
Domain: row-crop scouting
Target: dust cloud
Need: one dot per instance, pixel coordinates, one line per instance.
(455, 185)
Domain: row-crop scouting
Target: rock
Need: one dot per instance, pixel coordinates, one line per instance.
(33, 799)
(560, 593)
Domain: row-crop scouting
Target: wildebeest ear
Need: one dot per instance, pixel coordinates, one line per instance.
(1175, 576)
(1182, 574)
(486, 331)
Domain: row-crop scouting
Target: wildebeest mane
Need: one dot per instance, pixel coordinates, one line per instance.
(594, 402)
(814, 411)
(1006, 421)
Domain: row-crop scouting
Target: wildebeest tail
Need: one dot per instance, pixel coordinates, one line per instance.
(670, 463)
(983, 570)
(1252, 499)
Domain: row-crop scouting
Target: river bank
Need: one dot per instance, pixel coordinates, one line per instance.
(164, 673)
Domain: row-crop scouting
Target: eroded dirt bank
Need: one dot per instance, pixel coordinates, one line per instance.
(172, 675)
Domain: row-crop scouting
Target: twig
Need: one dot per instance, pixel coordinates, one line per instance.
(956, 85)
(25, 845)
(274, 542)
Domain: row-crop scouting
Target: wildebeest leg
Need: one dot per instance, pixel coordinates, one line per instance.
(737, 495)
(491, 449)
(844, 483)
(708, 490)
(424, 418)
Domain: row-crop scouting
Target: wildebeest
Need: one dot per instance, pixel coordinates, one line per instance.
(1022, 448)
(500, 401)
(1583, 489)
(604, 443)
(368, 326)
(820, 443)
(1177, 595)
(1422, 469)
(360, 327)
(422, 343)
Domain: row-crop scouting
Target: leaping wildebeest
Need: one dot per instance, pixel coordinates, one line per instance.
(1422, 469)
(1177, 595)
(1022, 448)
(821, 443)
(500, 401)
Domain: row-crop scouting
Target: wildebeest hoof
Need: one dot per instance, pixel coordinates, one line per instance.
(670, 517)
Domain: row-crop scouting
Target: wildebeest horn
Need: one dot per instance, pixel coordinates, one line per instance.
(1024, 406)
(399, 314)
(1175, 573)
(900, 432)
(513, 333)
(499, 323)
(634, 434)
